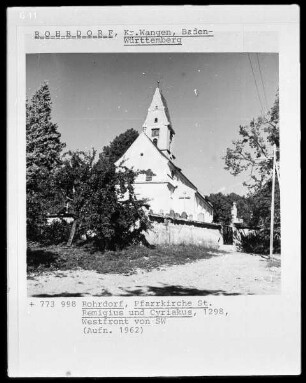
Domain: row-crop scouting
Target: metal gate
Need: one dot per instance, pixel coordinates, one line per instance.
(227, 235)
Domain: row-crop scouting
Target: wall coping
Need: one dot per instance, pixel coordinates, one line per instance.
(182, 221)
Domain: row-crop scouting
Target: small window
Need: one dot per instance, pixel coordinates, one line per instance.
(155, 141)
(155, 120)
(155, 132)
(148, 177)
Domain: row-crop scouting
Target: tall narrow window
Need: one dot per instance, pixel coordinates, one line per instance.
(155, 141)
(171, 136)
(155, 119)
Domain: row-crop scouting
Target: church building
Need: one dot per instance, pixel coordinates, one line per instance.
(164, 185)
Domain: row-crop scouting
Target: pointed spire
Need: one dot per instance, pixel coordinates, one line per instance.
(157, 125)
(159, 103)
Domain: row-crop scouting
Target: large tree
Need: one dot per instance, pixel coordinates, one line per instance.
(72, 185)
(43, 156)
(119, 145)
(102, 196)
(44, 144)
(101, 199)
(116, 216)
(252, 153)
(223, 203)
(260, 203)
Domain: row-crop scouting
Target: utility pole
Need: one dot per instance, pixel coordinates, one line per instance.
(272, 202)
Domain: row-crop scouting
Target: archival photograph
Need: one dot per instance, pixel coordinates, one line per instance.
(152, 174)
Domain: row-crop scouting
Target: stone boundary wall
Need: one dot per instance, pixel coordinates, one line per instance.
(173, 231)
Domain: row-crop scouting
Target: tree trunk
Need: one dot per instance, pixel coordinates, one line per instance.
(72, 233)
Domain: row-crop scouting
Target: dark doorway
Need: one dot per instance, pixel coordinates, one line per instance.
(227, 235)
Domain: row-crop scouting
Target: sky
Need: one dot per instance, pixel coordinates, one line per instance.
(209, 95)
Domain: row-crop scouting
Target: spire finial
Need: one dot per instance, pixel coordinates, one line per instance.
(158, 81)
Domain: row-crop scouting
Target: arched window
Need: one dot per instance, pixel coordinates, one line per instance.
(155, 141)
(155, 120)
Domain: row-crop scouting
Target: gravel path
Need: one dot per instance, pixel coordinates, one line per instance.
(231, 273)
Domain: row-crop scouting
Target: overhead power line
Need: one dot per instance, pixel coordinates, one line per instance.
(262, 82)
(256, 85)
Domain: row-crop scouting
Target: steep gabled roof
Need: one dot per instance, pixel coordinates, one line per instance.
(140, 137)
(179, 170)
(159, 102)
(169, 162)
(166, 107)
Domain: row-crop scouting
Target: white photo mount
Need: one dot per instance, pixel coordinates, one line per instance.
(261, 333)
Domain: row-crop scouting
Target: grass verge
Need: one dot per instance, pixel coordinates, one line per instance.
(59, 257)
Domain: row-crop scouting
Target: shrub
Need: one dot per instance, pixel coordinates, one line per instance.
(55, 233)
(259, 242)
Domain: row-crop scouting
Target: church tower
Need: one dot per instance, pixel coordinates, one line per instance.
(157, 125)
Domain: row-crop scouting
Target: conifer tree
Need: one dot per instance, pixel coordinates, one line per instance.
(43, 155)
(43, 139)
